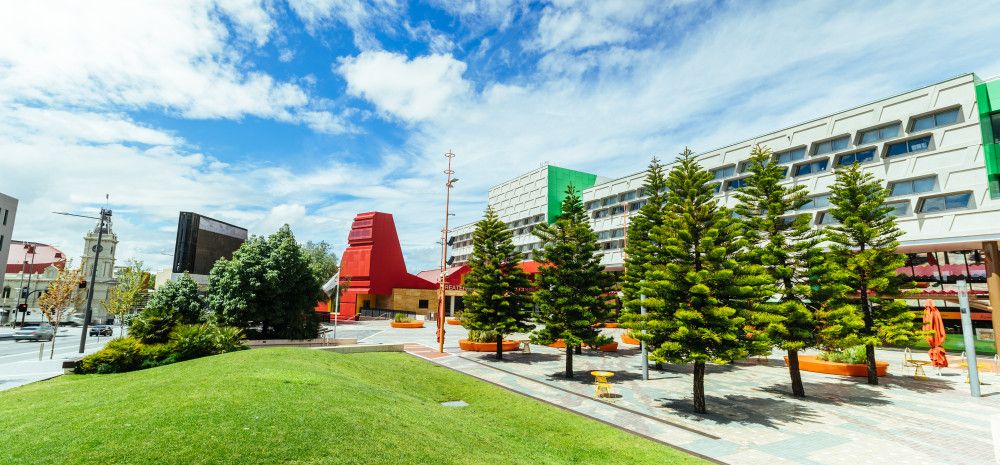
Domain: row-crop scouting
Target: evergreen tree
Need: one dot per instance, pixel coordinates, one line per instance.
(788, 248)
(267, 284)
(180, 298)
(571, 281)
(700, 303)
(863, 245)
(641, 253)
(496, 296)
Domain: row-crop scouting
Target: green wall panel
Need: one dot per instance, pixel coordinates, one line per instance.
(559, 179)
(988, 102)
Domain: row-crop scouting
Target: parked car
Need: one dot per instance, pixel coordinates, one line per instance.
(100, 330)
(35, 333)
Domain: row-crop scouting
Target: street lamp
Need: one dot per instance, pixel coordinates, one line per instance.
(449, 183)
(26, 291)
(105, 216)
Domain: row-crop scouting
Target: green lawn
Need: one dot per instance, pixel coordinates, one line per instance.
(301, 406)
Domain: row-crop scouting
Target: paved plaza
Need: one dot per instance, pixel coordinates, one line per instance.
(752, 417)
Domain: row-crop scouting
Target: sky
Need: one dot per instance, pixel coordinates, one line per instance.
(307, 112)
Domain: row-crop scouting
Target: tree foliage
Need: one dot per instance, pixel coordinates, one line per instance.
(322, 260)
(62, 295)
(181, 299)
(496, 298)
(788, 247)
(863, 245)
(703, 300)
(642, 253)
(125, 298)
(571, 281)
(267, 287)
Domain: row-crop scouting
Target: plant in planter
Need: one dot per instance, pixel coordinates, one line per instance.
(852, 361)
(455, 320)
(486, 341)
(402, 320)
(604, 343)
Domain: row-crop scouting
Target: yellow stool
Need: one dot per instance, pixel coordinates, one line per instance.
(603, 386)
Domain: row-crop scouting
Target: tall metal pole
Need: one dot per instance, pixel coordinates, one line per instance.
(93, 277)
(969, 336)
(336, 309)
(645, 357)
(444, 250)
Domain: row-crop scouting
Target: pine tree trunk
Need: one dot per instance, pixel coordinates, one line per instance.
(699, 388)
(578, 349)
(569, 361)
(793, 370)
(499, 348)
(866, 309)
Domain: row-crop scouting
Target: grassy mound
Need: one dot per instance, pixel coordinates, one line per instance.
(301, 406)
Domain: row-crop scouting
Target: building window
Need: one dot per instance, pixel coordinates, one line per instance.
(945, 202)
(6, 212)
(423, 303)
(877, 134)
(937, 119)
(743, 166)
(825, 218)
(6, 292)
(790, 155)
(736, 183)
(912, 186)
(994, 119)
(819, 201)
(811, 167)
(899, 208)
(723, 172)
(863, 156)
(832, 145)
(908, 146)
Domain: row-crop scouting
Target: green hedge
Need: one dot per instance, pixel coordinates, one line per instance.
(185, 342)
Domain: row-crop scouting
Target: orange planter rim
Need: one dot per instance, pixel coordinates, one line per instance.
(408, 324)
(630, 340)
(812, 364)
(505, 346)
(454, 321)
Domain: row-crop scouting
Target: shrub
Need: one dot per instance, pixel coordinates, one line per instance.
(600, 340)
(154, 355)
(118, 356)
(402, 318)
(482, 336)
(152, 328)
(229, 339)
(853, 355)
(193, 341)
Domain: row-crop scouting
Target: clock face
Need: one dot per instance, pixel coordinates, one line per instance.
(97, 248)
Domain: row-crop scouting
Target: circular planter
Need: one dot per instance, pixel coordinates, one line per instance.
(610, 324)
(454, 321)
(409, 324)
(559, 344)
(611, 347)
(815, 365)
(505, 346)
(626, 338)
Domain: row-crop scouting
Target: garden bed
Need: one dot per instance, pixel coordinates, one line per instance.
(628, 339)
(506, 346)
(609, 325)
(406, 324)
(454, 321)
(812, 364)
(609, 347)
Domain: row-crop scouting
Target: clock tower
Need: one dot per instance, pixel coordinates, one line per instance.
(105, 279)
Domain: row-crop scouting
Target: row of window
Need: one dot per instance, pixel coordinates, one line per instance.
(932, 204)
(614, 199)
(617, 209)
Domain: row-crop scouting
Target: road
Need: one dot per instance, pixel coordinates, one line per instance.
(19, 362)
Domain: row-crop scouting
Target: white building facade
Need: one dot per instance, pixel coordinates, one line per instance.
(8, 213)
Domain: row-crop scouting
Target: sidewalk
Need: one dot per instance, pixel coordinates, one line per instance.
(752, 418)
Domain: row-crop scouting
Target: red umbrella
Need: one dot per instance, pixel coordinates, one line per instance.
(933, 322)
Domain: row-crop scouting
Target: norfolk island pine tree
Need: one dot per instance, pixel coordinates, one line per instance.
(496, 296)
(863, 244)
(571, 281)
(804, 295)
(641, 252)
(700, 301)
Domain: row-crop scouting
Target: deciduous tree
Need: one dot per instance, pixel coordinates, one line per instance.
(496, 296)
(59, 298)
(126, 296)
(181, 299)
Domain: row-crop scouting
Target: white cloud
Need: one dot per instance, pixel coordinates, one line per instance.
(176, 56)
(418, 89)
(358, 15)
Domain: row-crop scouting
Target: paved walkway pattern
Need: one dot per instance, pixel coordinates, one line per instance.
(752, 418)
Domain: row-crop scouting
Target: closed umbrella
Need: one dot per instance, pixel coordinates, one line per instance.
(934, 323)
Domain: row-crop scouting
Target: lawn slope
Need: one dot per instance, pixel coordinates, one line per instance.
(301, 406)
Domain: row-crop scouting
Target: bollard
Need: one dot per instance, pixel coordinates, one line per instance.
(41, 351)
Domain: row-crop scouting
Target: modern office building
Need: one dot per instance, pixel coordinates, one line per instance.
(8, 212)
(937, 149)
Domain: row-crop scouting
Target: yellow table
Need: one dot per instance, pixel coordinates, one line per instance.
(603, 385)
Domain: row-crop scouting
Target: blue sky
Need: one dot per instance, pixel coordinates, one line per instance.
(309, 111)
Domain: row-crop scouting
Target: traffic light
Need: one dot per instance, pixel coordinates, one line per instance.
(22, 307)
(83, 284)
(24, 292)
